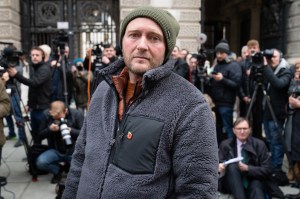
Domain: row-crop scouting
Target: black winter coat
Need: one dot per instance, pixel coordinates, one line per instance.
(39, 85)
(277, 86)
(224, 92)
(259, 159)
(74, 119)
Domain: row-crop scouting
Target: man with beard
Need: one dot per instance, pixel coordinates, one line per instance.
(39, 88)
(148, 132)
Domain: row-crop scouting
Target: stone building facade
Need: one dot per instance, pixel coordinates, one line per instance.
(10, 26)
(188, 14)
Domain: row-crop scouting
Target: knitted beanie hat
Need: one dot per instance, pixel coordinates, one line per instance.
(163, 18)
(77, 60)
(222, 47)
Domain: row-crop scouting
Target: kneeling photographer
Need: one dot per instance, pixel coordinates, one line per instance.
(276, 79)
(61, 129)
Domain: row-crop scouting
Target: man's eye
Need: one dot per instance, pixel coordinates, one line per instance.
(154, 38)
(133, 35)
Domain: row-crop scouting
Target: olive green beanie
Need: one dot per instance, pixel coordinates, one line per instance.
(163, 18)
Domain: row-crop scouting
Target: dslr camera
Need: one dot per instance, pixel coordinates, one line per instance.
(65, 132)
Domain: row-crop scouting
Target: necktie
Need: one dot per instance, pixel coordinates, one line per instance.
(245, 161)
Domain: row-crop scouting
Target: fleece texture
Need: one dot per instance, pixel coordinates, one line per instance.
(186, 161)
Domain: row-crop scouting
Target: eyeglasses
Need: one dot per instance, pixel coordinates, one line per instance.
(241, 129)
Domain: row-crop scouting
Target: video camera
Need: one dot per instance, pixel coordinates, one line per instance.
(61, 40)
(9, 57)
(97, 51)
(257, 61)
(258, 58)
(201, 58)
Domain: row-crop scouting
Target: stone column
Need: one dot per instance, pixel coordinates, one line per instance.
(293, 29)
(10, 30)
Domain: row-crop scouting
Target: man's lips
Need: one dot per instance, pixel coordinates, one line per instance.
(140, 57)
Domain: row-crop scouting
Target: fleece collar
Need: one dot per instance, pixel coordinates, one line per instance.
(149, 78)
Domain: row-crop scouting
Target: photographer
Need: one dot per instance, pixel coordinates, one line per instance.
(60, 74)
(61, 144)
(80, 80)
(39, 87)
(105, 55)
(277, 77)
(15, 97)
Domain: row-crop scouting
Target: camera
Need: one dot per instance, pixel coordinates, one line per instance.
(9, 58)
(257, 61)
(98, 50)
(65, 132)
(258, 58)
(79, 67)
(61, 40)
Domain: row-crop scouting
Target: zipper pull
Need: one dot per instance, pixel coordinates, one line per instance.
(112, 142)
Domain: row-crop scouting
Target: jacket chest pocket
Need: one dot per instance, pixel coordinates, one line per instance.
(136, 151)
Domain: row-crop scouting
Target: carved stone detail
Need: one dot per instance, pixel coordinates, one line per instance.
(48, 13)
(89, 11)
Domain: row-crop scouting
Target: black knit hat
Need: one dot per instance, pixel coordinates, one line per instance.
(222, 47)
(163, 18)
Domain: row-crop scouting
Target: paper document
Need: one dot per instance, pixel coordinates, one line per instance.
(233, 160)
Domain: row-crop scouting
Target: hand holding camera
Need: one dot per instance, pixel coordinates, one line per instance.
(54, 127)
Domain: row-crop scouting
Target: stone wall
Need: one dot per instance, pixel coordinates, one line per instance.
(10, 29)
(186, 12)
(293, 30)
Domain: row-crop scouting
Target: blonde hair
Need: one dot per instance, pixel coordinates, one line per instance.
(252, 42)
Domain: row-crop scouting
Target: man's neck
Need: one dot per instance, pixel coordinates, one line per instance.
(133, 78)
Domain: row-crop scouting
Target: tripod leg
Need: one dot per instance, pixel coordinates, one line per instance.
(252, 101)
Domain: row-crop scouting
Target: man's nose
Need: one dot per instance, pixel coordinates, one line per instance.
(142, 43)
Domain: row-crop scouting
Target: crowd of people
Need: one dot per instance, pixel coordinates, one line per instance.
(147, 128)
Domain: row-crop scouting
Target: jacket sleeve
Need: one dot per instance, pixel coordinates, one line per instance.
(281, 81)
(77, 124)
(263, 169)
(40, 76)
(4, 101)
(195, 158)
(74, 174)
(233, 79)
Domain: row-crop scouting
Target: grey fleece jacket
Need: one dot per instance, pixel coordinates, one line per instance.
(165, 147)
